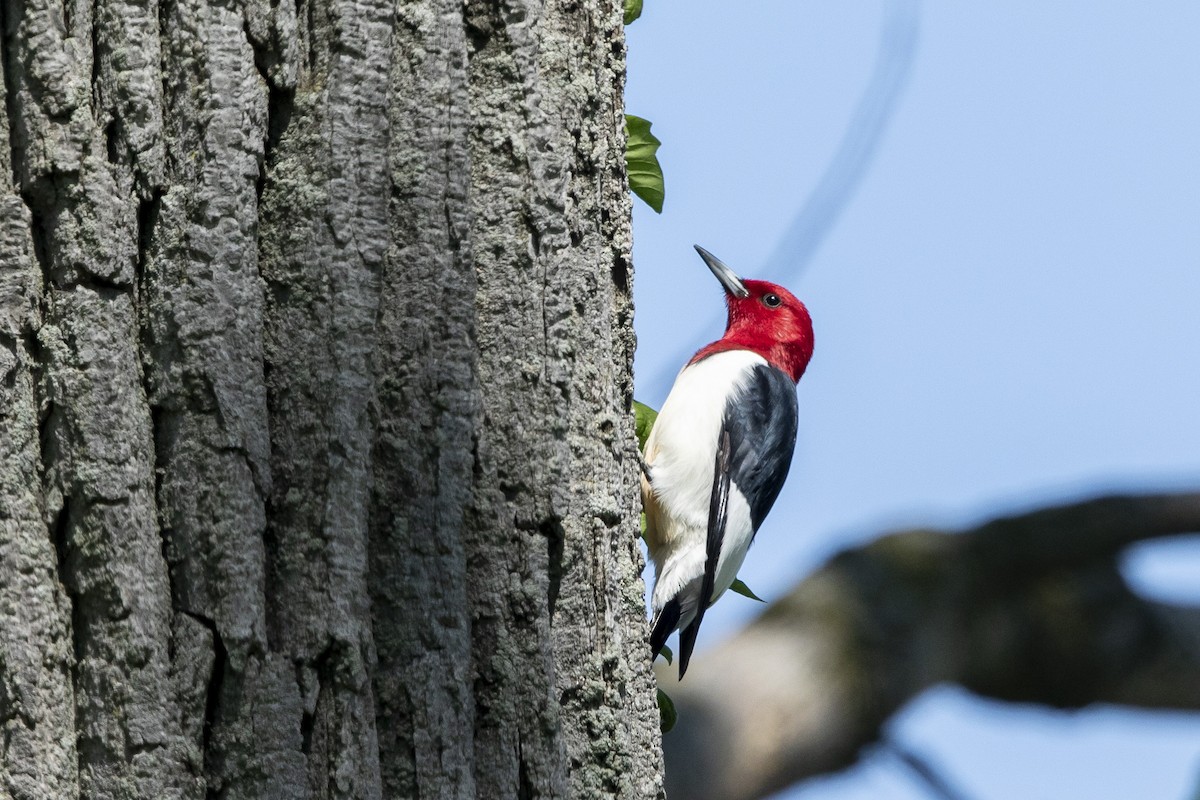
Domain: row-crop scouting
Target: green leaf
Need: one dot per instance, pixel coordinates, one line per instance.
(737, 587)
(633, 10)
(667, 655)
(641, 162)
(643, 421)
(667, 715)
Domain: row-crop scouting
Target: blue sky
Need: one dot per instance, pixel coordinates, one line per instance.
(1007, 313)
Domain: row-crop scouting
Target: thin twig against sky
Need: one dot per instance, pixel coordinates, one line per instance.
(841, 179)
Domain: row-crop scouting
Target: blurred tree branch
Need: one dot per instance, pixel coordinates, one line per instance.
(1030, 608)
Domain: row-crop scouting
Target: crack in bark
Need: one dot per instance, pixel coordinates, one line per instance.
(147, 218)
(105, 288)
(477, 25)
(280, 103)
(324, 672)
(68, 15)
(312, 57)
(61, 536)
(8, 68)
(59, 524)
(11, 344)
(158, 437)
(40, 239)
(264, 56)
(96, 41)
(525, 787)
(212, 700)
(552, 529)
(621, 270)
(164, 49)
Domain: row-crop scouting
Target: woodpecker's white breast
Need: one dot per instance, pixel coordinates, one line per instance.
(681, 453)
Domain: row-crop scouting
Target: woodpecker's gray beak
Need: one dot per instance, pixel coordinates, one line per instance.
(728, 278)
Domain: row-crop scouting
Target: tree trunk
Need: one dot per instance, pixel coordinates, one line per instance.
(317, 470)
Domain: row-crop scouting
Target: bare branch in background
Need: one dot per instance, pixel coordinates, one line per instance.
(1031, 608)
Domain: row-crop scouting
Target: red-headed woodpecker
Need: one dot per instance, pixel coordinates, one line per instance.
(720, 450)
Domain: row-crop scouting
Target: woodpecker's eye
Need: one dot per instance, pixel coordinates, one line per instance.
(772, 300)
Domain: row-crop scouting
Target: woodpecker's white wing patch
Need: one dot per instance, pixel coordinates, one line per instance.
(739, 532)
(685, 565)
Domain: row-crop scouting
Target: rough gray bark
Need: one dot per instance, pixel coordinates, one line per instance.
(317, 471)
(1030, 608)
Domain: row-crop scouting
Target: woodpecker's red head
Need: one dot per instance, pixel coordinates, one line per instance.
(764, 318)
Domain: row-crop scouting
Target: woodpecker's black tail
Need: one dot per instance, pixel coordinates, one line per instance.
(664, 622)
(687, 642)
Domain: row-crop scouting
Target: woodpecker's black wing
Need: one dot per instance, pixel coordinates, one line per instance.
(718, 518)
(762, 424)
